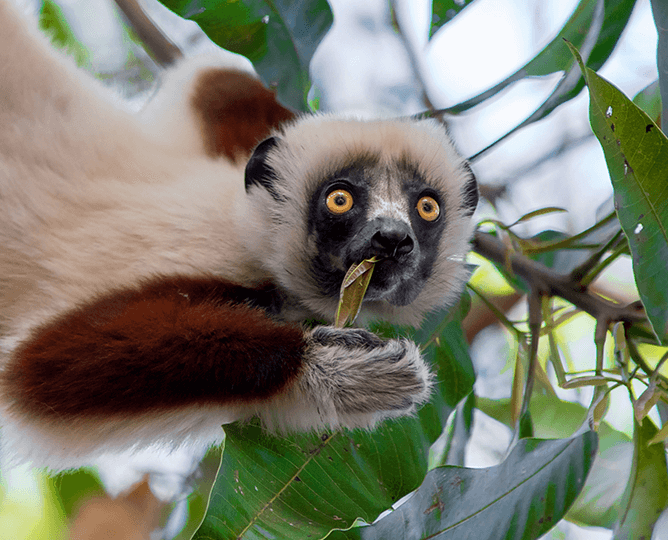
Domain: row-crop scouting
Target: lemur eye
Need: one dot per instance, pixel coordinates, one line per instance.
(428, 208)
(339, 201)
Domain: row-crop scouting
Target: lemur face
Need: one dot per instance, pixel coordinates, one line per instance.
(370, 209)
(347, 191)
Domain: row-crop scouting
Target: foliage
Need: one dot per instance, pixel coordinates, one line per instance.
(278, 36)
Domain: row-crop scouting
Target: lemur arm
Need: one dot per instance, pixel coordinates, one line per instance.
(172, 359)
(171, 342)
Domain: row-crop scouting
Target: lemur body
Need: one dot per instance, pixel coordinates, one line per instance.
(148, 293)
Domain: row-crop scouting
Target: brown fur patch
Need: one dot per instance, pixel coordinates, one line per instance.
(236, 112)
(171, 342)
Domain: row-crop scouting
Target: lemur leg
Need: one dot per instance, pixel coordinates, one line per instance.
(174, 343)
(169, 343)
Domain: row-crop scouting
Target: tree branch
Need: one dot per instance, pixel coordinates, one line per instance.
(546, 281)
(157, 43)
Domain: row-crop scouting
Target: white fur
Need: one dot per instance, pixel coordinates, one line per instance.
(76, 172)
(93, 198)
(319, 145)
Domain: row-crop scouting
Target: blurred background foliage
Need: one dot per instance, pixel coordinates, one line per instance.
(549, 339)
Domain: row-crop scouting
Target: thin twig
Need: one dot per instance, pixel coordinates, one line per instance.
(535, 320)
(566, 243)
(156, 42)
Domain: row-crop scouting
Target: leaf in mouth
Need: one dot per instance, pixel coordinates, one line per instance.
(353, 289)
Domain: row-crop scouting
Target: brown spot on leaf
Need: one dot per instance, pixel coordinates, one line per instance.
(438, 505)
(648, 128)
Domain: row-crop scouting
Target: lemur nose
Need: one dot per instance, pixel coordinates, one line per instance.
(392, 239)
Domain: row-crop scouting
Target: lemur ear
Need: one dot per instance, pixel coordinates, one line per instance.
(469, 191)
(235, 112)
(258, 170)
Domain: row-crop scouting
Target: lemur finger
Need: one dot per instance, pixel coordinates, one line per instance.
(360, 373)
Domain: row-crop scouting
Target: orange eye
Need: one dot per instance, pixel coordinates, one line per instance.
(339, 201)
(428, 208)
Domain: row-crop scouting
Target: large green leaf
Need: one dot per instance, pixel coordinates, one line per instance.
(450, 447)
(647, 490)
(303, 486)
(278, 36)
(522, 498)
(636, 152)
(554, 57)
(598, 503)
(202, 483)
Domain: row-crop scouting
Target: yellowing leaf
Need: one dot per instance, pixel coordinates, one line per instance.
(353, 289)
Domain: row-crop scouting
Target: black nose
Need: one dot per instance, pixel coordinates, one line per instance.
(392, 239)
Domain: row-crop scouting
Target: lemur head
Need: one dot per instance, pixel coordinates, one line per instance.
(334, 192)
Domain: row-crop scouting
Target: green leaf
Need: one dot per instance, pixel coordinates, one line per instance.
(537, 213)
(522, 498)
(554, 57)
(600, 498)
(649, 100)
(450, 447)
(646, 493)
(443, 11)
(53, 23)
(303, 486)
(75, 487)
(553, 418)
(598, 502)
(278, 36)
(449, 354)
(636, 152)
(660, 437)
(202, 484)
